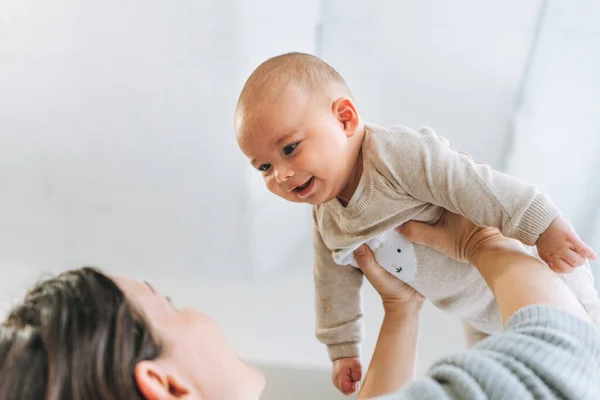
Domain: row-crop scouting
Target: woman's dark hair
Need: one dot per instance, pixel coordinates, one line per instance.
(75, 336)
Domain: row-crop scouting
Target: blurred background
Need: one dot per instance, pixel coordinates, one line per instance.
(117, 145)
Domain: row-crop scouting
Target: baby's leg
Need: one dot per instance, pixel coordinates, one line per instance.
(472, 335)
(581, 282)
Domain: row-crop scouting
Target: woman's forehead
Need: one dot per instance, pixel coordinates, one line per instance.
(131, 286)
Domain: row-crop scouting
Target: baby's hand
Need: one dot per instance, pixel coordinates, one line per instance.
(347, 372)
(561, 248)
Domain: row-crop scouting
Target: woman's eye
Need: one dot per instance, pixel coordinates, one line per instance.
(170, 301)
(264, 167)
(287, 150)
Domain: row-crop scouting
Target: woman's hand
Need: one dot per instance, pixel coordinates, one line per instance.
(515, 277)
(394, 360)
(392, 290)
(453, 235)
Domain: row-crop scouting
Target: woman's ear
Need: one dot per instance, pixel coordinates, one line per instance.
(156, 383)
(345, 112)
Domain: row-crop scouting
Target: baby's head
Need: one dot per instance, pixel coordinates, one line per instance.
(297, 124)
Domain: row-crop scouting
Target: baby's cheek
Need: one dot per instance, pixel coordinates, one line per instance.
(271, 185)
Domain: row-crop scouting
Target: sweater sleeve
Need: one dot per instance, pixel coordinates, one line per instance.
(338, 303)
(545, 353)
(429, 170)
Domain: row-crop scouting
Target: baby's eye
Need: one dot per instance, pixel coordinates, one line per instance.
(264, 167)
(287, 150)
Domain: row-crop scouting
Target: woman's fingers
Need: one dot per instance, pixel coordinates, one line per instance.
(421, 233)
(390, 288)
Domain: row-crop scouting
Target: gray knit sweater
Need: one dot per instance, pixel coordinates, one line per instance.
(544, 353)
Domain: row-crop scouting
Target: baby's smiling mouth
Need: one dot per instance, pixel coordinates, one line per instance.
(304, 185)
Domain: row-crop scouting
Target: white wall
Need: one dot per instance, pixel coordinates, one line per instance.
(117, 146)
(454, 66)
(556, 142)
(116, 124)
(266, 28)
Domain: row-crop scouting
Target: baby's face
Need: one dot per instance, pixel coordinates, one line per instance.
(297, 144)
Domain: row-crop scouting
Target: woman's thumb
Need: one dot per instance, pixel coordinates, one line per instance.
(361, 254)
(364, 258)
(369, 265)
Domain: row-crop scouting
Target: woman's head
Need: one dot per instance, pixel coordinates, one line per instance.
(83, 335)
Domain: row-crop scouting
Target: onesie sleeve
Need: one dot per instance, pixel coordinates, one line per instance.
(338, 301)
(425, 166)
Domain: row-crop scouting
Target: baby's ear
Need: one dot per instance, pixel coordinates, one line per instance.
(346, 113)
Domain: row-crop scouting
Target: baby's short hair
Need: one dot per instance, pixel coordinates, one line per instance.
(302, 69)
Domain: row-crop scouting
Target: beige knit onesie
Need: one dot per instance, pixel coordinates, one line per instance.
(414, 175)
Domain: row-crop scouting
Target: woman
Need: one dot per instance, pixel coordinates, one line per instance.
(83, 335)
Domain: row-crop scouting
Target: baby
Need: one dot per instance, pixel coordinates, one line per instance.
(297, 123)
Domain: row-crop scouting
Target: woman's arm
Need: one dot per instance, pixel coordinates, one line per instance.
(395, 356)
(516, 279)
(394, 360)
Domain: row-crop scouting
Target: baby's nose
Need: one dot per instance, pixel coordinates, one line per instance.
(282, 174)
